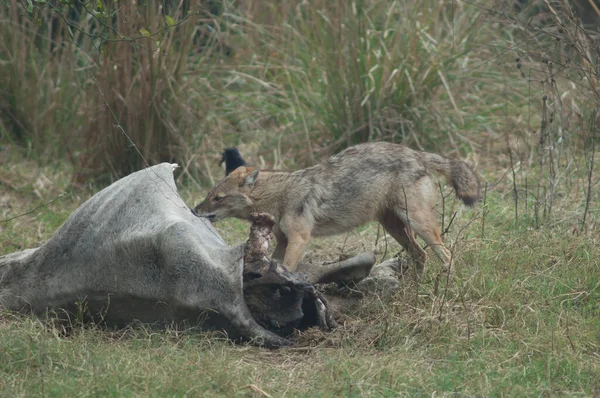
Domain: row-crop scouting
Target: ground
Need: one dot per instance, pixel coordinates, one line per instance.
(520, 316)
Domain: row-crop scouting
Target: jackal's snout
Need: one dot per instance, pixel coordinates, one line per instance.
(211, 217)
(201, 211)
(229, 197)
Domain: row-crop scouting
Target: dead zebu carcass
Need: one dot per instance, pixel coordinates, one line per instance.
(136, 252)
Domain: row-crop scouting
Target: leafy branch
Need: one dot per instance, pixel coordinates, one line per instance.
(99, 13)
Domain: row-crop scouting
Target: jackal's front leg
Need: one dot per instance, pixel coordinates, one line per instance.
(297, 232)
(296, 244)
(282, 243)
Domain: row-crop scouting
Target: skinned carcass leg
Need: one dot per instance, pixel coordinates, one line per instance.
(278, 298)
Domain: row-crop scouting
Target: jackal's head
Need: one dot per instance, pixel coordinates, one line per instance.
(229, 198)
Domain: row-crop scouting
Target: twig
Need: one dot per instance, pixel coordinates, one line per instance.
(412, 240)
(568, 334)
(553, 160)
(449, 271)
(541, 161)
(121, 37)
(34, 209)
(447, 229)
(485, 210)
(445, 294)
(254, 387)
(443, 203)
(526, 203)
(590, 169)
(512, 165)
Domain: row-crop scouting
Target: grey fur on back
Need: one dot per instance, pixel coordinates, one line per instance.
(135, 248)
(349, 188)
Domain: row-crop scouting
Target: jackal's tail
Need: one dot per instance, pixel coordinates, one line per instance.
(461, 175)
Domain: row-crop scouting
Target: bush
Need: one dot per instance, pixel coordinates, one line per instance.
(366, 70)
(39, 80)
(103, 87)
(125, 84)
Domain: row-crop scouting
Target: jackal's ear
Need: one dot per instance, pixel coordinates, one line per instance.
(239, 172)
(251, 177)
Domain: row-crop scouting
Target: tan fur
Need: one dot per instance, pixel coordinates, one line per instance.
(374, 181)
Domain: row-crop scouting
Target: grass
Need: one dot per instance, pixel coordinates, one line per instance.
(289, 85)
(295, 82)
(520, 317)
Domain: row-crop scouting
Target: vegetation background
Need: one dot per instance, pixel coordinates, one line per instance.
(93, 90)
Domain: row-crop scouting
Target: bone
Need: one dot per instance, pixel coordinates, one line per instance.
(256, 250)
(385, 277)
(353, 269)
(259, 269)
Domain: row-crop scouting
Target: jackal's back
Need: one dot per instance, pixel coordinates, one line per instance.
(355, 185)
(350, 188)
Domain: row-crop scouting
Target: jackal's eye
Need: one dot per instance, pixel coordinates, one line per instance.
(218, 198)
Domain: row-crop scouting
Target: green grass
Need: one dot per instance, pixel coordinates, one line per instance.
(493, 361)
(520, 317)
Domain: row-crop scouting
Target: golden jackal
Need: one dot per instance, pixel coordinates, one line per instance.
(373, 181)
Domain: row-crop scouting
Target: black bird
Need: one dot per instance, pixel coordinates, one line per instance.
(233, 159)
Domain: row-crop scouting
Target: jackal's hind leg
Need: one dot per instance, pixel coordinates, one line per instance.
(396, 227)
(424, 224)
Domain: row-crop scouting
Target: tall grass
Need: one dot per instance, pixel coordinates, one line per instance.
(295, 81)
(39, 80)
(292, 76)
(349, 72)
(370, 68)
(138, 86)
(101, 87)
(556, 57)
